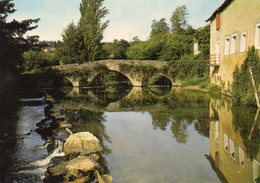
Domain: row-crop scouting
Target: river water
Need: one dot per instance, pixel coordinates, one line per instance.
(150, 135)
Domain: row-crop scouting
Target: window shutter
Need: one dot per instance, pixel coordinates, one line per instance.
(218, 21)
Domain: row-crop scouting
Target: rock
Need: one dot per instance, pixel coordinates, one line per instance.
(103, 178)
(79, 166)
(57, 115)
(107, 178)
(83, 143)
(80, 180)
(65, 125)
(62, 135)
(56, 173)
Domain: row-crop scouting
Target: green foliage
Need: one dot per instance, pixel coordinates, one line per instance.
(213, 88)
(116, 50)
(202, 36)
(166, 47)
(189, 67)
(82, 42)
(34, 60)
(244, 120)
(159, 27)
(242, 89)
(71, 48)
(12, 40)
(45, 78)
(177, 45)
(179, 19)
(146, 50)
(91, 26)
(202, 81)
(100, 68)
(76, 74)
(138, 69)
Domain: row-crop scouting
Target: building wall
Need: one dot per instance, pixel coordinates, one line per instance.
(241, 16)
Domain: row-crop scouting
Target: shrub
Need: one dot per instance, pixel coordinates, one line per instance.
(34, 60)
(242, 89)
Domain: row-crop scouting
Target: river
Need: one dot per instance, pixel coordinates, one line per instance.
(150, 135)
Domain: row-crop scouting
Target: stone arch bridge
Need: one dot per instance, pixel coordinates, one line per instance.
(137, 71)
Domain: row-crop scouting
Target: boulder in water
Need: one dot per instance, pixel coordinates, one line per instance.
(65, 125)
(82, 143)
(79, 166)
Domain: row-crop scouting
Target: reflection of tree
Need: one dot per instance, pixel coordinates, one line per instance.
(160, 91)
(244, 122)
(111, 80)
(202, 126)
(160, 119)
(108, 96)
(179, 130)
(91, 121)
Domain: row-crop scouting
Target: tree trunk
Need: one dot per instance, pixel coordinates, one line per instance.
(255, 89)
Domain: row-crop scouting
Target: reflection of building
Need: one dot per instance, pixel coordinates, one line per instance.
(227, 148)
(234, 27)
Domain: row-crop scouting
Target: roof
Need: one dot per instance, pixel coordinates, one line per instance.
(220, 9)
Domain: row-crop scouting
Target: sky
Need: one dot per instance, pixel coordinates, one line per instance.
(128, 18)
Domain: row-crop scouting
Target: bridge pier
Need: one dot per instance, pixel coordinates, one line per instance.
(74, 81)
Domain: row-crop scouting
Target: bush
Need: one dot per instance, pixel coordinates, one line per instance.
(202, 82)
(213, 88)
(35, 60)
(189, 67)
(242, 89)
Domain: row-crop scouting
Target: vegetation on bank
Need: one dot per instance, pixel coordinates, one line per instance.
(242, 89)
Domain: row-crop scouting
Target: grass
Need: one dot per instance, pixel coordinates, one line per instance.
(203, 83)
(195, 81)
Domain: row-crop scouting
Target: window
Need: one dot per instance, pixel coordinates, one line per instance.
(216, 130)
(233, 44)
(241, 157)
(256, 170)
(257, 36)
(196, 49)
(243, 42)
(226, 143)
(231, 149)
(227, 45)
(217, 53)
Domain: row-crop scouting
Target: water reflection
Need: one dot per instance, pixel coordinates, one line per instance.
(152, 134)
(234, 142)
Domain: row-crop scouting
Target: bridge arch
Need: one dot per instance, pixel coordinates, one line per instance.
(134, 81)
(161, 80)
(123, 78)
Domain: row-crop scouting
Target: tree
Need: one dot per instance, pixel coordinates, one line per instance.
(92, 27)
(72, 47)
(13, 42)
(119, 49)
(159, 27)
(202, 36)
(179, 19)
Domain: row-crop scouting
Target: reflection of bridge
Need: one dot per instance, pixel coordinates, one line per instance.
(132, 101)
(138, 72)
